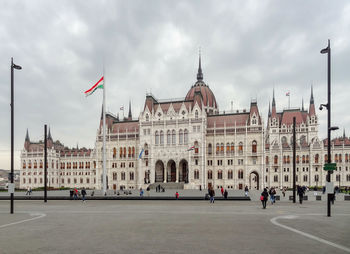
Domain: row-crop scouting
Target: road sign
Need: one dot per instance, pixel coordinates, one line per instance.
(11, 188)
(329, 188)
(330, 166)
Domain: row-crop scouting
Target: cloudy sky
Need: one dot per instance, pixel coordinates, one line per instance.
(248, 47)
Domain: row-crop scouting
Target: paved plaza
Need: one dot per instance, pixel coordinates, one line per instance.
(144, 226)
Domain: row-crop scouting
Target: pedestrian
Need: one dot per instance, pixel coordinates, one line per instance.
(212, 195)
(30, 191)
(200, 187)
(301, 194)
(83, 193)
(141, 192)
(177, 195)
(323, 189)
(222, 191)
(315, 191)
(27, 193)
(71, 193)
(246, 191)
(92, 193)
(225, 194)
(284, 191)
(264, 196)
(272, 193)
(148, 190)
(75, 193)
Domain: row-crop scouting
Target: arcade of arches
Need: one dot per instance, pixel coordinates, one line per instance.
(172, 172)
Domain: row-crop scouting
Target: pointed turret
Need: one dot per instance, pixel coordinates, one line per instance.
(118, 117)
(269, 114)
(302, 104)
(129, 115)
(312, 105)
(27, 141)
(49, 139)
(344, 136)
(49, 135)
(200, 73)
(273, 113)
(27, 137)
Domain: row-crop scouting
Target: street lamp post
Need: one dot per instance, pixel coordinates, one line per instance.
(17, 67)
(329, 128)
(294, 145)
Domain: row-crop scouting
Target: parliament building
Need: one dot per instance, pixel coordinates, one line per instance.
(190, 144)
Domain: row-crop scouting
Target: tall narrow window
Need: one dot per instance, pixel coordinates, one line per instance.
(168, 137)
(181, 137)
(254, 144)
(186, 136)
(161, 137)
(157, 138)
(174, 137)
(210, 149)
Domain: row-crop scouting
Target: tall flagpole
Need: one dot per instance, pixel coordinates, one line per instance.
(104, 135)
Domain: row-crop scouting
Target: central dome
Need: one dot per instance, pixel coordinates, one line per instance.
(209, 100)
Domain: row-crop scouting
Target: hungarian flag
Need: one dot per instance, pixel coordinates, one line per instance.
(99, 84)
(190, 149)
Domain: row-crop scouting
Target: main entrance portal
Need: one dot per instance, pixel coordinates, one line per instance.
(159, 176)
(183, 172)
(171, 171)
(254, 181)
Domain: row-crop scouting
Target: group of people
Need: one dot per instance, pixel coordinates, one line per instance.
(160, 188)
(75, 194)
(29, 191)
(265, 196)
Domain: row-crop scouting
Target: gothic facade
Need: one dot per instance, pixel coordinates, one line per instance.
(189, 144)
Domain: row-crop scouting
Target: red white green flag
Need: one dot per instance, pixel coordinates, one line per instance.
(99, 84)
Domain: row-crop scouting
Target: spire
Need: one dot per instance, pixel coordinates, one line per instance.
(273, 113)
(302, 104)
(269, 110)
(49, 135)
(102, 112)
(273, 98)
(200, 73)
(344, 136)
(27, 137)
(129, 115)
(312, 96)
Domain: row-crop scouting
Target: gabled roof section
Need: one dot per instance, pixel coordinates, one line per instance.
(239, 119)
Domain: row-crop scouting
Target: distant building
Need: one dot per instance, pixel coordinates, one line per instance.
(189, 144)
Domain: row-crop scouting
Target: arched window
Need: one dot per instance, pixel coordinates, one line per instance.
(254, 144)
(29, 164)
(307, 158)
(34, 180)
(124, 152)
(114, 152)
(196, 147)
(275, 178)
(227, 148)
(316, 158)
(222, 148)
(161, 137)
(240, 147)
(284, 159)
(267, 160)
(210, 149)
(131, 176)
(240, 174)
(146, 149)
(196, 114)
(288, 159)
(174, 137)
(133, 152)
(168, 137)
(186, 136)
(41, 164)
(316, 178)
(122, 176)
(217, 148)
(230, 174)
(120, 152)
(232, 148)
(297, 159)
(210, 174)
(275, 159)
(220, 174)
(303, 160)
(147, 117)
(305, 178)
(35, 164)
(340, 159)
(157, 138)
(181, 137)
(196, 174)
(24, 164)
(325, 158)
(346, 158)
(286, 178)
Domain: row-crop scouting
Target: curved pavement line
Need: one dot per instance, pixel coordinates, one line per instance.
(41, 215)
(274, 221)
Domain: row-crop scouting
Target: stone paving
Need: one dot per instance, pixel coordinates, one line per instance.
(125, 226)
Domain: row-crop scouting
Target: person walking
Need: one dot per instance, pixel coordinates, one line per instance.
(284, 191)
(272, 193)
(83, 193)
(212, 194)
(28, 192)
(300, 194)
(75, 193)
(264, 196)
(148, 190)
(177, 195)
(225, 194)
(246, 191)
(222, 191)
(141, 192)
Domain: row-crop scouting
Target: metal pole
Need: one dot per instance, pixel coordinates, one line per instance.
(45, 163)
(329, 128)
(294, 145)
(12, 131)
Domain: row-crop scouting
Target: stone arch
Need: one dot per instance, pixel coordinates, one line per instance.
(159, 172)
(254, 180)
(171, 171)
(183, 171)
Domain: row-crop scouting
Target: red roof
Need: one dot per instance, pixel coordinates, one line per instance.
(207, 94)
(122, 127)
